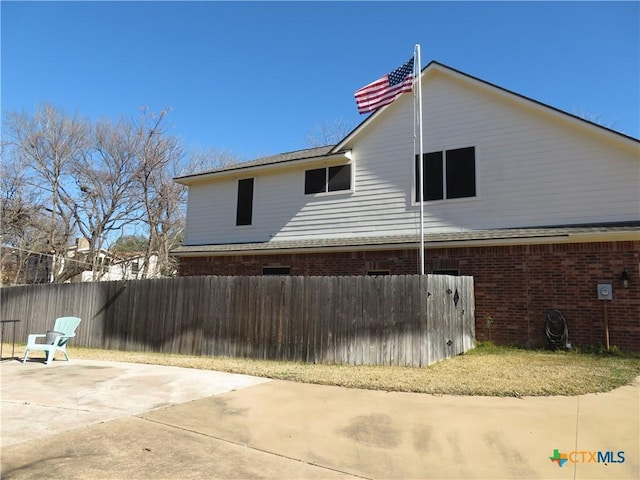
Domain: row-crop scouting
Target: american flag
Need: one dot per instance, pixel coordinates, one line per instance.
(385, 90)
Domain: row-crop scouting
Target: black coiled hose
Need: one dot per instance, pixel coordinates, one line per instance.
(556, 329)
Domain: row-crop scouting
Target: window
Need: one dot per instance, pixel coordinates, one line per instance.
(448, 174)
(446, 271)
(315, 181)
(276, 271)
(330, 179)
(377, 273)
(244, 210)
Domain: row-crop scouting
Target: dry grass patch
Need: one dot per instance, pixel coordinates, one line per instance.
(487, 370)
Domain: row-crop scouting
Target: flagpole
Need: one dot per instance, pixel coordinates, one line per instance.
(420, 161)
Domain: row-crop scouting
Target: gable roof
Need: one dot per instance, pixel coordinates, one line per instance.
(341, 149)
(435, 67)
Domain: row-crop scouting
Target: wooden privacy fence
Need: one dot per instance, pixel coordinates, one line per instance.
(408, 320)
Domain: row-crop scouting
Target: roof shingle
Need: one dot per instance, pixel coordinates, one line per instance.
(524, 235)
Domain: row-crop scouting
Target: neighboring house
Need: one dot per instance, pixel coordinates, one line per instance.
(109, 266)
(538, 205)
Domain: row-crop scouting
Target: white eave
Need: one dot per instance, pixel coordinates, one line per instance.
(252, 169)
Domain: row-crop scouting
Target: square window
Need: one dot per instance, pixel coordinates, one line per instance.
(315, 181)
(448, 174)
(339, 178)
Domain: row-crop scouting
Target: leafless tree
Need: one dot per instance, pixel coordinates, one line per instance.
(162, 199)
(47, 144)
(328, 133)
(162, 159)
(199, 160)
(72, 178)
(23, 226)
(104, 198)
(595, 118)
(84, 174)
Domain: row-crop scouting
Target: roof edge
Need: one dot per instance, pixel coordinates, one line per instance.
(432, 65)
(480, 238)
(262, 164)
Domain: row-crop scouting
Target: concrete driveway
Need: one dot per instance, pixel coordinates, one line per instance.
(106, 420)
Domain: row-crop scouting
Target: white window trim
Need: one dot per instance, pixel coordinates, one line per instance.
(475, 198)
(350, 191)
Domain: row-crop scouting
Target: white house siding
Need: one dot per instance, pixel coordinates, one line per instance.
(210, 212)
(532, 169)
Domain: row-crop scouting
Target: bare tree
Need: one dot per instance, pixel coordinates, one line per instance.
(23, 227)
(85, 175)
(47, 144)
(199, 160)
(328, 133)
(104, 198)
(162, 199)
(595, 118)
(161, 158)
(74, 178)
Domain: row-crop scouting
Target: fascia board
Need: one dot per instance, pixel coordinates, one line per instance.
(241, 171)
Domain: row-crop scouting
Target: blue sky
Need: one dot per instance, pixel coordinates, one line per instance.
(255, 78)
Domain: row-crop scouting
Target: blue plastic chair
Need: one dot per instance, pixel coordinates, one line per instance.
(55, 340)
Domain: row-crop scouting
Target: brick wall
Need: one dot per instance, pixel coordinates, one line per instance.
(514, 285)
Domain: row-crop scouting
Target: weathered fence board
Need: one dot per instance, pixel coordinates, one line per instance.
(387, 320)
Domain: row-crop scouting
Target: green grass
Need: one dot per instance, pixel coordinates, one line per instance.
(487, 370)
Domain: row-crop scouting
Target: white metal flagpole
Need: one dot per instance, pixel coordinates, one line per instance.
(420, 160)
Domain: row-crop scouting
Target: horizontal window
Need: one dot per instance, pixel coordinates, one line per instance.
(276, 271)
(447, 174)
(377, 273)
(446, 271)
(329, 179)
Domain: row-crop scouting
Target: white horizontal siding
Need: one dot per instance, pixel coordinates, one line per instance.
(532, 169)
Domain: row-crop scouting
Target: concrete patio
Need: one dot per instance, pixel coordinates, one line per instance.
(88, 419)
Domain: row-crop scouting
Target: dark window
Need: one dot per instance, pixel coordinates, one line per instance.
(276, 271)
(339, 178)
(459, 180)
(332, 179)
(377, 273)
(315, 181)
(461, 173)
(432, 177)
(446, 271)
(244, 209)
